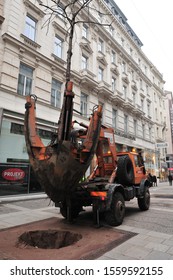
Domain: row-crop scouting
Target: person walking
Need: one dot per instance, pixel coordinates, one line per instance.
(170, 179)
(154, 180)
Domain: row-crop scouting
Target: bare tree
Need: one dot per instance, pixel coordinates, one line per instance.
(71, 13)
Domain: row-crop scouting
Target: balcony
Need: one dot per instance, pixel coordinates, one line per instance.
(138, 111)
(104, 89)
(87, 78)
(118, 99)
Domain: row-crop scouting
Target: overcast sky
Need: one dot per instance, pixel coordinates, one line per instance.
(152, 21)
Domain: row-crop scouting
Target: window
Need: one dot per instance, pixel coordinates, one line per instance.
(25, 80)
(114, 118)
(142, 104)
(123, 67)
(85, 31)
(141, 84)
(111, 30)
(58, 47)
(100, 45)
(84, 62)
(150, 133)
(134, 97)
(148, 108)
(83, 104)
(125, 123)
(100, 17)
(143, 131)
(100, 74)
(113, 57)
(122, 42)
(30, 28)
(125, 92)
(135, 126)
(147, 89)
(17, 128)
(133, 75)
(131, 52)
(113, 84)
(56, 93)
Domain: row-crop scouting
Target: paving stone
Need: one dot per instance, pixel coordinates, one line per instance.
(157, 255)
(157, 246)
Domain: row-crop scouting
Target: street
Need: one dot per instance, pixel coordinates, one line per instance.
(153, 228)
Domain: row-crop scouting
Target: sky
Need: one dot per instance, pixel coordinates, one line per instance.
(152, 21)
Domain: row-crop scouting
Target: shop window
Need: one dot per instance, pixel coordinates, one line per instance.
(17, 128)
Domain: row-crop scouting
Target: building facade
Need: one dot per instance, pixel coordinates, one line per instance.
(108, 68)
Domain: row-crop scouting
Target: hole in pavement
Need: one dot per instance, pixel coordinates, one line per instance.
(48, 239)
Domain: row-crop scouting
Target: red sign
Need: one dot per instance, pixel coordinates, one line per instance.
(13, 174)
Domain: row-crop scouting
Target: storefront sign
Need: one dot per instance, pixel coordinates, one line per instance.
(161, 145)
(14, 173)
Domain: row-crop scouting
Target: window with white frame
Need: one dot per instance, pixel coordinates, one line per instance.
(125, 123)
(56, 93)
(84, 62)
(58, 47)
(100, 45)
(113, 57)
(30, 27)
(85, 31)
(100, 74)
(84, 104)
(124, 91)
(113, 84)
(114, 118)
(25, 80)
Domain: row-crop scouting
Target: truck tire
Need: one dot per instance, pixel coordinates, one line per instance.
(74, 211)
(125, 171)
(144, 202)
(115, 216)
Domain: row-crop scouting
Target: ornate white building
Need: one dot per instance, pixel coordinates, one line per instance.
(108, 67)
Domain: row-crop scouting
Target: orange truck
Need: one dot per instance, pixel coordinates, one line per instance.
(61, 166)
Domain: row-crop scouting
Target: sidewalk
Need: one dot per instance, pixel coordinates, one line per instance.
(147, 244)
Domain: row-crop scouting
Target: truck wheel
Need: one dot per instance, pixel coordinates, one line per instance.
(115, 216)
(144, 202)
(125, 172)
(74, 211)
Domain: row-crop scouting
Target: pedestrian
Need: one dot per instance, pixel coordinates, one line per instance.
(150, 179)
(154, 179)
(170, 179)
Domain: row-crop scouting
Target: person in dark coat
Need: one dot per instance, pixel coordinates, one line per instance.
(154, 178)
(170, 179)
(150, 179)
